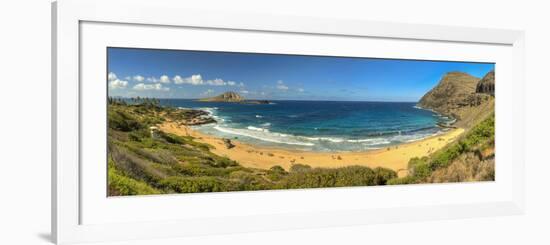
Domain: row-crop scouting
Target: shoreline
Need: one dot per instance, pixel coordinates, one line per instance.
(395, 157)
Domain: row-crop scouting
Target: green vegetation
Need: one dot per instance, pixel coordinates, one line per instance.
(119, 184)
(465, 155)
(337, 177)
(142, 161)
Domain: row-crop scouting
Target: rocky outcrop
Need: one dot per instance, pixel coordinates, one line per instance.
(228, 144)
(225, 97)
(487, 84)
(256, 102)
(456, 95)
(198, 121)
(189, 117)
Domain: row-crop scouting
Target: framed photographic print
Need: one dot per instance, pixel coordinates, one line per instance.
(208, 123)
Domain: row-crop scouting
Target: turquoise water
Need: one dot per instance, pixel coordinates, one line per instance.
(318, 125)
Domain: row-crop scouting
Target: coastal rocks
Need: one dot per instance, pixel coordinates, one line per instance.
(228, 144)
(199, 121)
(256, 102)
(190, 117)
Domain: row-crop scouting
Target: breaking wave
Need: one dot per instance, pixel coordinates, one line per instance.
(320, 143)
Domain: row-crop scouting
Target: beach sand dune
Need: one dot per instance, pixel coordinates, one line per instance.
(394, 157)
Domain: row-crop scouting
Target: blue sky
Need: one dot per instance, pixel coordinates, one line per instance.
(197, 74)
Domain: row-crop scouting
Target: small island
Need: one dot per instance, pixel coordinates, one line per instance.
(233, 97)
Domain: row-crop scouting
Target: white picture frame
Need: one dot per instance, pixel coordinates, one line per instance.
(68, 197)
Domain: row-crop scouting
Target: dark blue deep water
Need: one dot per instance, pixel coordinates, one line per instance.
(318, 125)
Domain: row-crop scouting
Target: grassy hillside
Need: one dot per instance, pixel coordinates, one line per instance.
(471, 158)
(142, 162)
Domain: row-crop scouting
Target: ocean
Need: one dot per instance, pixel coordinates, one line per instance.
(326, 126)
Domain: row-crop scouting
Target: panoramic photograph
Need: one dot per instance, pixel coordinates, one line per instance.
(184, 121)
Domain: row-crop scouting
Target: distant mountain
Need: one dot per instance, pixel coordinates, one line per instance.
(457, 95)
(225, 97)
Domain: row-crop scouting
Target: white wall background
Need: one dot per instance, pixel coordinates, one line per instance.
(25, 122)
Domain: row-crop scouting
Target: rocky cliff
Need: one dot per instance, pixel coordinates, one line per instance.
(457, 95)
(487, 84)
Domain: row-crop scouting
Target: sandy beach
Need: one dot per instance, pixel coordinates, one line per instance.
(395, 157)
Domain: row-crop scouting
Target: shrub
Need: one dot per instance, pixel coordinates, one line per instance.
(481, 134)
(402, 181)
(193, 184)
(134, 137)
(416, 161)
(248, 181)
(121, 185)
(299, 168)
(224, 162)
(133, 165)
(421, 171)
(277, 169)
(122, 121)
(276, 173)
(443, 158)
(382, 175)
(172, 138)
(337, 177)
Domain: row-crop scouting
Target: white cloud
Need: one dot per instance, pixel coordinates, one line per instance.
(301, 90)
(164, 79)
(193, 80)
(138, 78)
(216, 82)
(156, 86)
(118, 84)
(152, 79)
(198, 80)
(281, 85)
(177, 79)
(244, 91)
(207, 92)
(115, 83)
(111, 76)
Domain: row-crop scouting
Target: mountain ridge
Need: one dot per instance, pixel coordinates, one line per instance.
(462, 96)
